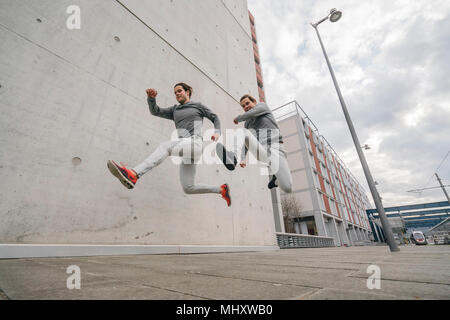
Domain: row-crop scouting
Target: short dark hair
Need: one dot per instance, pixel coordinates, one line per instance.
(186, 87)
(248, 96)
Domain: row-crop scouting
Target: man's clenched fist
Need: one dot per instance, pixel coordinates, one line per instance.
(152, 93)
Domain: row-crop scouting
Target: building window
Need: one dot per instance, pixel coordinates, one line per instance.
(316, 179)
(327, 187)
(344, 209)
(321, 201)
(332, 206)
(313, 162)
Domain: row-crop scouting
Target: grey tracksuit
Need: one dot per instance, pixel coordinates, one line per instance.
(188, 120)
(263, 139)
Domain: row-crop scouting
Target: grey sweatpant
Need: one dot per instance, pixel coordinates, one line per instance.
(275, 157)
(190, 150)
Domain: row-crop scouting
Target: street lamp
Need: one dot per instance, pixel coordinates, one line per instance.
(334, 16)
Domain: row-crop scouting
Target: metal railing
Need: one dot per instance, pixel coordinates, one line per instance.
(294, 240)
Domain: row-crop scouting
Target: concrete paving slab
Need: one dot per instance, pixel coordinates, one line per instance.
(319, 273)
(342, 294)
(282, 274)
(181, 279)
(112, 290)
(414, 273)
(409, 290)
(18, 277)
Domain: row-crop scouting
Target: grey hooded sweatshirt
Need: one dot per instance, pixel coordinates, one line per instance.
(188, 117)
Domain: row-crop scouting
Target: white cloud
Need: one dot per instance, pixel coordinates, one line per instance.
(392, 62)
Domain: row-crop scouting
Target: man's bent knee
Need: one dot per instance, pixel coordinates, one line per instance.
(286, 187)
(189, 189)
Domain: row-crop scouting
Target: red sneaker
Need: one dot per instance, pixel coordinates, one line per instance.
(126, 176)
(225, 192)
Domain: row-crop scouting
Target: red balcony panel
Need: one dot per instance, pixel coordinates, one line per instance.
(255, 48)
(252, 19)
(256, 57)
(259, 78)
(254, 38)
(258, 69)
(262, 96)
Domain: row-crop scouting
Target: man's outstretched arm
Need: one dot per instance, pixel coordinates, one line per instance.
(259, 110)
(166, 113)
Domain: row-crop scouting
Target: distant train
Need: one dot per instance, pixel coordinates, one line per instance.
(417, 237)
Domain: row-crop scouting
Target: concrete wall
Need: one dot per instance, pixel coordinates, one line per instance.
(68, 94)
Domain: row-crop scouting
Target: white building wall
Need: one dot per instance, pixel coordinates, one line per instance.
(69, 94)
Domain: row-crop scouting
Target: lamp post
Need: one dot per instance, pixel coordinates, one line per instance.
(334, 16)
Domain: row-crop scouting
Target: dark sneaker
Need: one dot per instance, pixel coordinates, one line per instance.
(225, 192)
(228, 157)
(126, 176)
(272, 183)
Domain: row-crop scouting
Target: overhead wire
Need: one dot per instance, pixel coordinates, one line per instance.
(437, 169)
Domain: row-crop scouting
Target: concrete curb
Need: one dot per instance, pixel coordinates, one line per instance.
(15, 251)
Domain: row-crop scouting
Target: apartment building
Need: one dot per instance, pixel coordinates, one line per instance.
(332, 202)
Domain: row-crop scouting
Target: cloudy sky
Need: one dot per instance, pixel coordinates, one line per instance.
(392, 63)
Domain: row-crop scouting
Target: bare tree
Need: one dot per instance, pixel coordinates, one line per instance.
(292, 208)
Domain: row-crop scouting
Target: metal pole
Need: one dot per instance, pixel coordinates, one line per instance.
(403, 225)
(443, 188)
(376, 198)
(375, 229)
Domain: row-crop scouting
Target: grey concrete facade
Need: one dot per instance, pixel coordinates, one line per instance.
(71, 99)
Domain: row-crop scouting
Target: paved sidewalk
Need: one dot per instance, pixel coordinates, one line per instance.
(416, 272)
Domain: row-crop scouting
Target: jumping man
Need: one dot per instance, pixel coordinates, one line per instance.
(262, 137)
